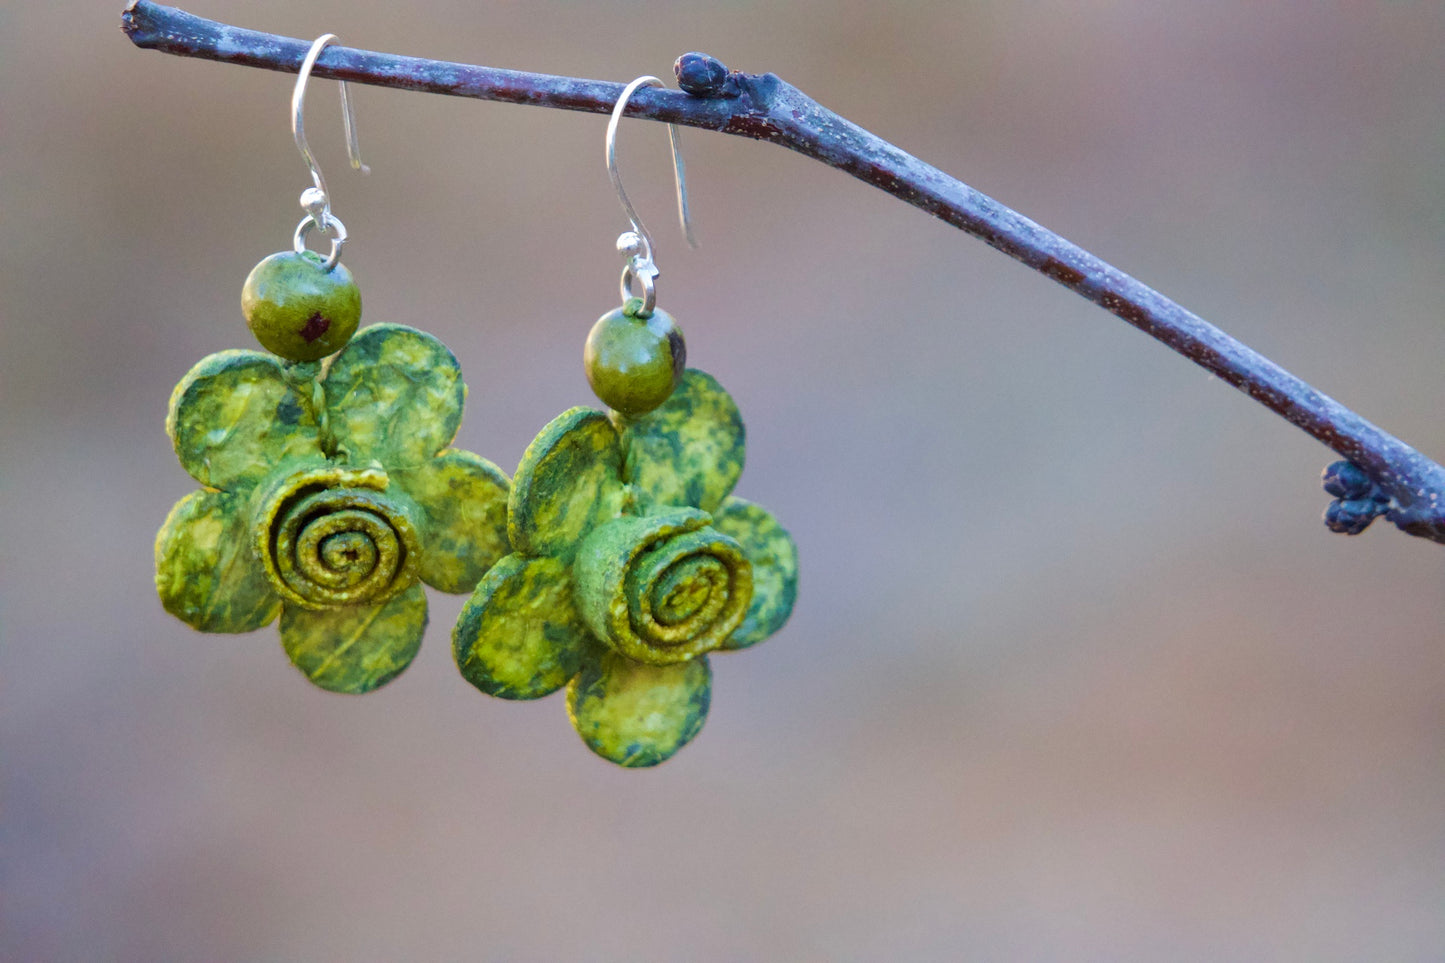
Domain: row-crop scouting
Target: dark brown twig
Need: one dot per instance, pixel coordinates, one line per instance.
(1408, 487)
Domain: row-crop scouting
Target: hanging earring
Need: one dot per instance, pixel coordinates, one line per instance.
(329, 490)
(631, 562)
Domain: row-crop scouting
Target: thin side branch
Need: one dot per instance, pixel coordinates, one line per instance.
(1409, 487)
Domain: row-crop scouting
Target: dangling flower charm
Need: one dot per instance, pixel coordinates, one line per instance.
(330, 493)
(630, 563)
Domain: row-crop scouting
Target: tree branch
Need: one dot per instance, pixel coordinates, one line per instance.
(1393, 479)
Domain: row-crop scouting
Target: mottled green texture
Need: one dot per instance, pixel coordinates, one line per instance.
(330, 537)
(465, 528)
(775, 569)
(632, 584)
(234, 417)
(396, 397)
(355, 648)
(568, 482)
(690, 450)
(323, 511)
(206, 572)
(662, 588)
(632, 363)
(298, 309)
(519, 636)
(638, 715)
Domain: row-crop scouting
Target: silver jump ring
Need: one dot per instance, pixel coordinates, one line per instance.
(338, 238)
(648, 280)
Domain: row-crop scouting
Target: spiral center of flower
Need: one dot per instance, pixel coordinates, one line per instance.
(664, 588)
(685, 589)
(350, 553)
(327, 543)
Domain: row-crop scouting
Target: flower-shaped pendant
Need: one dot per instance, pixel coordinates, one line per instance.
(630, 562)
(330, 493)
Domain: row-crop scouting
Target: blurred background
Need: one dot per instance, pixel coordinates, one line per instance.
(1075, 672)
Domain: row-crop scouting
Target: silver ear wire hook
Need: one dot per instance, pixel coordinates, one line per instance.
(636, 245)
(315, 200)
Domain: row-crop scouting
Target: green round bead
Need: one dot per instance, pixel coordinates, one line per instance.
(633, 364)
(299, 310)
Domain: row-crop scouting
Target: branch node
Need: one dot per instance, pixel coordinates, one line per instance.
(761, 89)
(703, 75)
(1358, 499)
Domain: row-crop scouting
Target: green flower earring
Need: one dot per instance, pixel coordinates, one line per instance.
(329, 490)
(630, 561)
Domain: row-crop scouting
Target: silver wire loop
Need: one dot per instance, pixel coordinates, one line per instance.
(334, 228)
(648, 280)
(316, 201)
(636, 245)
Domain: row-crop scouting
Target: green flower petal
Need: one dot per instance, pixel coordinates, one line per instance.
(395, 396)
(234, 418)
(638, 715)
(464, 532)
(569, 481)
(207, 572)
(518, 636)
(690, 450)
(775, 569)
(355, 648)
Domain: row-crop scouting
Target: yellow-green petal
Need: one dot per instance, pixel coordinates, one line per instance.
(355, 648)
(690, 450)
(463, 529)
(775, 569)
(568, 482)
(395, 396)
(638, 715)
(207, 572)
(518, 636)
(234, 418)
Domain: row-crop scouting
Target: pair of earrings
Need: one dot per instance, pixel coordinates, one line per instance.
(612, 562)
